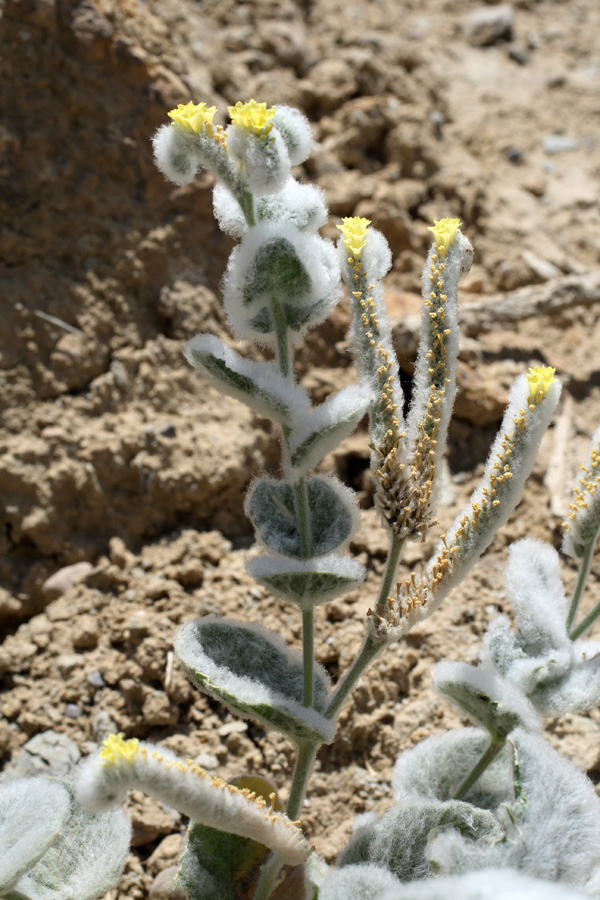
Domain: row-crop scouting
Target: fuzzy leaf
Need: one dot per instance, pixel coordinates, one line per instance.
(308, 583)
(577, 690)
(259, 385)
(213, 863)
(360, 882)
(278, 272)
(86, 859)
(488, 884)
(399, 841)
(325, 427)
(485, 697)
(32, 811)
(332, 513)
(254, 674)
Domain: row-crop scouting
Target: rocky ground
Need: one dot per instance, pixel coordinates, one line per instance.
(123, 474)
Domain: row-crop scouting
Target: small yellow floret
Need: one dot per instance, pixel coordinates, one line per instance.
(539, 380)
(444, 232)
(355, 232)
(194, 117)
(115, 749)
(253, 117)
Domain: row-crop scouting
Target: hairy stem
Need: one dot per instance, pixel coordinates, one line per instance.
(391, 567)
(308, 655)
(369, 651)
(584, 570)
(496, 745)
(302, 771)
(281, 338)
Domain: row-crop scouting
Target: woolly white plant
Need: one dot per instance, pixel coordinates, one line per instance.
(494, 798)
(51, 848)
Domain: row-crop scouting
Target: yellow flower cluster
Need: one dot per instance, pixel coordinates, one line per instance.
(444, 232)
(355, 231)
(253, 117)
(539, 380)
(194, 117)
(115, 750)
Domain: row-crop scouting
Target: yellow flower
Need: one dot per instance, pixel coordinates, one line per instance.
(539, 380)
(444, 232)
(253, 117)
(115, 749)
(355, 231)
(194, 117)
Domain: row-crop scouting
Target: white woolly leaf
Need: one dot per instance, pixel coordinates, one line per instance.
(296, 132)
(277, 263)
(376, 256)
(505, 652)
(307, 583)
(265, 162)
(302, 205)
(175, 155)
(315, 435)
(228, 213)
(551, 820)
(103, 782)
(85, 861)
(332, 515)
(487, 884)
(32, 811)
(252, 672)
(399, 841)
(435, 768)
(537, 596)
(358, 882)
(257, 384)
(577, 690)
(485, 697)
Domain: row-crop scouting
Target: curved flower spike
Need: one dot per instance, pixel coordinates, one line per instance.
(103, 781)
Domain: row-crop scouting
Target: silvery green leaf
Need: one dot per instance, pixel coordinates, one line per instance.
(537, 596)
(214, 862)
(253, 673)
(399, 841)
(332, 513)
(360, 882)
(315, 435)
(86, 859)
(310, 582)
(32, 811)
(550, 817)
(485, 697)
(577, 689)
(257, 384)
(277, 271)
(488, 884)
(505, 652)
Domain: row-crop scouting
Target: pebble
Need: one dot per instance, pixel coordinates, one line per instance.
(47, 753)
(96, 680)
(73, 710)
(232, 728)
(163, 887)
(63, 579)
(168, 431)
(206, 761)
(558, 143)
(488, 25)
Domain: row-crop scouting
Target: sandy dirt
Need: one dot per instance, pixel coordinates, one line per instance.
(117, 459)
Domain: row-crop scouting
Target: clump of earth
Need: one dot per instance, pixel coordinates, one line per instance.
(123, 473)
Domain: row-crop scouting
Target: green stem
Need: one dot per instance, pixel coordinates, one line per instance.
(246, 201)
(308, 654)
(496, 745)
(304, 764)
(368, 652)
(584, 570)
(391, 568)
(281, 338)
